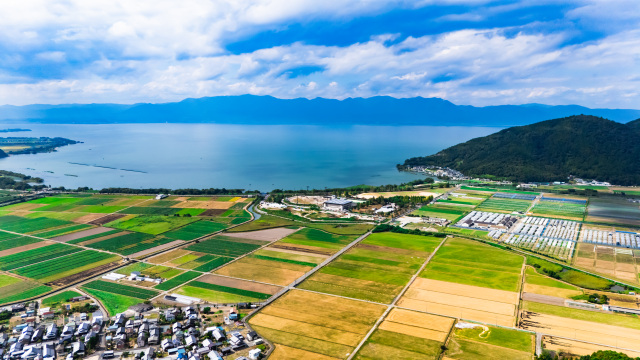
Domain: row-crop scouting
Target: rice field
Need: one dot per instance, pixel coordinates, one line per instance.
(226, 246)
(177, 281)
(130, 243)
(29, 257)
(65, 266)
(119, 289)
(495, 204)
(194, 230)
(475, 341)
(376, 269)
(153, 225)
(560, 209)
(316, 324)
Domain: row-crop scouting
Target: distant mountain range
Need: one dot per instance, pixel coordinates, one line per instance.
(584, 146)
(250, 109)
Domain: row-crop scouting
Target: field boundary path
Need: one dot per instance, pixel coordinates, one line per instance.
(395, 300)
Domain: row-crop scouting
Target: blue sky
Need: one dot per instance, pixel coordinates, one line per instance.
(477, 52)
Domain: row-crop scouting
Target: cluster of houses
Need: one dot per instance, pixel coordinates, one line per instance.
(32, 341)
(183, 339)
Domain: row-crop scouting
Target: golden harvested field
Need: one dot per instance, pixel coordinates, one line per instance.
(318, 323)
(578, 348)
(271, 272)
(550, 291)
(462, 301)
(426, 326)
(163, 258)
(282, 352)
(240, 284)
(203, 204)
(615, 336)
(610, 261)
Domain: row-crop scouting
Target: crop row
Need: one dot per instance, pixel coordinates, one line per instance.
(504, 205)
(94, 236)
(18, 241)
(209, 266)
(139, 210)
(69, 229)
(29, 257)
(124, 241)
(62, 264)
(194, 230)
(23, 225)
(230, 290)
(177, 281)
(119, 289)
(223, 247)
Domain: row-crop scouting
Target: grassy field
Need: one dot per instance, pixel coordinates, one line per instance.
(387, 345)
(265, 222)
(341, 229)
(177, 281)
(504, 205)
(439, 211)
(60, 298)
(153, 225)
(376, 269)
(491, 343)
(577, 278)
(318, 238)
(26, 226)
(125, 290)
(472, 263)
(564, 210)
(22, 291)
(114, 303)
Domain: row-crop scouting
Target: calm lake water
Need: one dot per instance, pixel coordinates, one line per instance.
(232, 156)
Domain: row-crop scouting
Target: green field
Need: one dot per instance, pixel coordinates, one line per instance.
(477, 188)
(153, 225)
(132, 243)
(6, 280)
(30, 257)
(25, 226)
(512, 339)
(177, 281)
(553, 208)
(504, 205)
(15, 241)
(226, 246)
(22, 291)
(265, 222)
(247, 294)
(376, 269)
(318, 238)
(130, 291)
(571, 276)
(114, 303)
(494, 344)
(438, 211)
(59, 298)
(195, 230)
(387, 345)
(65, 266)
(149, 210)
(62, 231)
(472, 263)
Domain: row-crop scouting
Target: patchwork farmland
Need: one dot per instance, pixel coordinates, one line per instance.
(376, 269)
(470, 281)
(315, 323)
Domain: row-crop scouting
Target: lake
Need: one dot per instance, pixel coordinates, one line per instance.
(232, 156)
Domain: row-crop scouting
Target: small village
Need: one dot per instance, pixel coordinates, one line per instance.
(142, 332)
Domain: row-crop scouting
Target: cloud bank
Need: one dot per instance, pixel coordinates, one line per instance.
(477, 52)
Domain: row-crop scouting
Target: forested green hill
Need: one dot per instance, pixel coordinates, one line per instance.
(584, 146)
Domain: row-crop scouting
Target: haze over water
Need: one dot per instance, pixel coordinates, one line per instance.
(233, 156)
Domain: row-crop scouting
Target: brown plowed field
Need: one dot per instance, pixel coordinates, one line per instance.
(107, 219)
(155, 249)
(85, 219)
(25, 248)
(240, 284)
(81, 234)
(88, 242)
